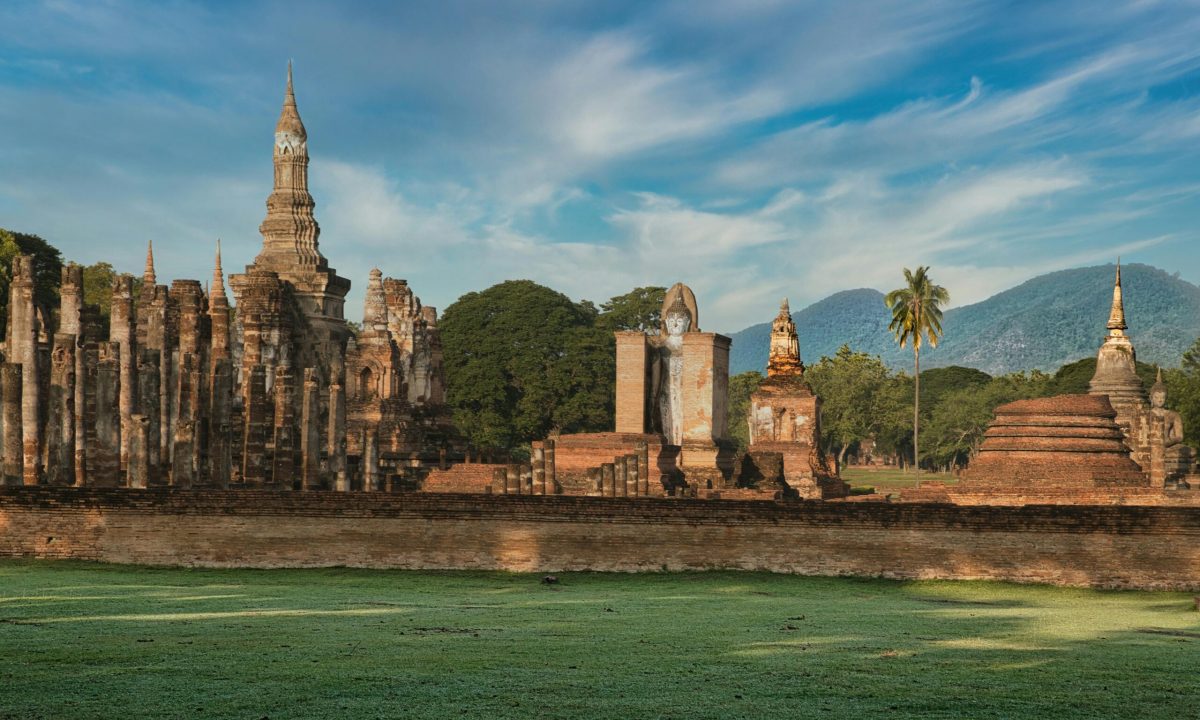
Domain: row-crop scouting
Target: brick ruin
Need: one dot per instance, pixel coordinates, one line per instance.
(277, 391)
(1114, 445)
(1153, 433)
(785, 425)
(672, 394)
(184, 391)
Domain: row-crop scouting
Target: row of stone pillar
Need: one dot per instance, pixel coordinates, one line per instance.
(626, 476)
(534, 478)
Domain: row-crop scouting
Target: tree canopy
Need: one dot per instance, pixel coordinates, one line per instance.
(638, 309)
(47, 269)
(523, 361)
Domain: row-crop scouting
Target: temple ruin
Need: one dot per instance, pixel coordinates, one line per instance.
(187, 390)
(1114, 445)
(672, 393)
(785, 424)
(1153, 433)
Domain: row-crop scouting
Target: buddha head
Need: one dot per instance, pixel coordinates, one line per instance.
(678, 319)
(1158, 392)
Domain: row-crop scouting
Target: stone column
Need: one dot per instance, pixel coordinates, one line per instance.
(60, 426)
(539, 469)
(149, 404)
(122, 332)
(499, 481)
(10, 399)
(284, 462)
(705, 397)
(104, 415)
(595, 482)
(621, 477)
(70, 321)
(337, 436)
(370, 460)
(644, 471)
(220, 419)
(551, 472)
(310, 432)
(257, 420)
(526, 480)
(608, 479)
(183, 461)
(138, 470)
(633, 477)
(633, 382)
(22, 347)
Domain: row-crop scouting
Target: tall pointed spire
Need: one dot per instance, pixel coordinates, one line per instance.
(784, 355)
(289, 116)
(149, 280)
(218, 281)
(1116, 316)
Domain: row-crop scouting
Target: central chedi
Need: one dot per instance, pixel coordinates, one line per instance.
(290, 234)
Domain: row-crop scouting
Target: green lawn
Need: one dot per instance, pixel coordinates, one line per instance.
(96, 641)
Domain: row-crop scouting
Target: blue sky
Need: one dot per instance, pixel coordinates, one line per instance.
(750, 149)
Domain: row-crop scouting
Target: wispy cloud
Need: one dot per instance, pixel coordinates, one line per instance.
(752, 149)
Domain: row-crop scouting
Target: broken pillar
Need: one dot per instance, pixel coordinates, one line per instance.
(310, 431)
(122, 333)
(337, 436)
(220, 423)
(10, 398)
(138, 469)
(283, 465)
(60, 424)
(149, 404)
(258, 417)
(103, 421)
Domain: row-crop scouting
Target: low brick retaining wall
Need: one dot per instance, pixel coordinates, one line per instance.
(1102, 546)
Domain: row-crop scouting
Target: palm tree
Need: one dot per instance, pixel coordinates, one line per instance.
(917, 315)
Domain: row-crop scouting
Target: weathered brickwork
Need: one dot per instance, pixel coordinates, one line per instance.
(208, 397)
(785, 420)
(1142, 547)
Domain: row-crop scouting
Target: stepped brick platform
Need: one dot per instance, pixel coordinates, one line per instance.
(1067, 441)
(1066, 449)
(576, 454)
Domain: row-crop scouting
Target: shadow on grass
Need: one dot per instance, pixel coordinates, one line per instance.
(361, 643)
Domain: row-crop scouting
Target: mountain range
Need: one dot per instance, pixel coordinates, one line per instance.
(1041, 324)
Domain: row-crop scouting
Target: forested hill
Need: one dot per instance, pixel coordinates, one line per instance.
(1043, 323)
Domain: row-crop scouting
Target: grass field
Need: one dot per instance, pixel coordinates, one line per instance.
(889, 479)
(97, 641)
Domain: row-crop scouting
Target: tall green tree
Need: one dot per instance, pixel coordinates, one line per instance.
(855, 402)
(638, 309)
(1183, 393)
(916, 319)
(741, 387)
(523, 361)
(47, 270)
(98, 281)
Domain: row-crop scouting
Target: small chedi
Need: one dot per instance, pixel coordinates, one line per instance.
(183, 391)
(672, 393)
(1153, 433)
(785, 425)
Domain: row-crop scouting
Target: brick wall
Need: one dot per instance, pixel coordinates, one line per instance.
(1120, 546)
